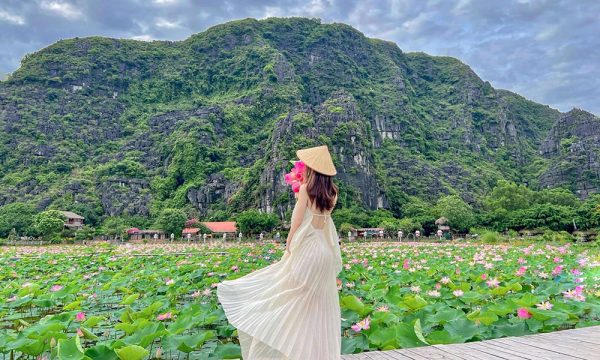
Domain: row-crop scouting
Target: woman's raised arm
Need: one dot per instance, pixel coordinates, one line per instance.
(297, 214)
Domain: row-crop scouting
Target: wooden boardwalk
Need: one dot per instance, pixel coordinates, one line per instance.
(578, 344)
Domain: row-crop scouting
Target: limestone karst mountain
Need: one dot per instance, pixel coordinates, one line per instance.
(121, 127)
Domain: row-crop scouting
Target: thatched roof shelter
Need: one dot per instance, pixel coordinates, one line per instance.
(441, 221)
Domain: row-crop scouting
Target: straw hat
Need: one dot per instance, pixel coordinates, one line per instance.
(318, 159)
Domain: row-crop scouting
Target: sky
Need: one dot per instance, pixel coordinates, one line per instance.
(545, 50)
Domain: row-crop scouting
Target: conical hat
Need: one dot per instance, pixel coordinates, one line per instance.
(318, 159)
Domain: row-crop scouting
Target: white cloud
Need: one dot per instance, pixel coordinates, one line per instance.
(144, 37)
(164, 23)
(62, 8)
(11, 18)
(164, 2)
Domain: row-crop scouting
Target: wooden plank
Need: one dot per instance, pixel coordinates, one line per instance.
(574, 344)
(561, 345)
(525, 351)
(431, 352)
(589, 335)
(496, 352)
(468, 353)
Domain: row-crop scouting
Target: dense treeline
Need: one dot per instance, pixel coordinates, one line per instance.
(507, 208)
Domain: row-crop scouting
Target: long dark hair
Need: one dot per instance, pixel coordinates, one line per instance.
(321, 189)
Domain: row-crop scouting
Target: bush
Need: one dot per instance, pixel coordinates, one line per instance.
(490, 237)
(557, 236)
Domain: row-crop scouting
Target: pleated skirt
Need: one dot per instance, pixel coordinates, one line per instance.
(289, 309)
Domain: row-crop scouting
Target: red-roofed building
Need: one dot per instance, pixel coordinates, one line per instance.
(221, 226)
(192, 231)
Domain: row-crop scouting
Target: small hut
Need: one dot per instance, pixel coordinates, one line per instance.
(74, 221)
(137, 234)
(442, 224)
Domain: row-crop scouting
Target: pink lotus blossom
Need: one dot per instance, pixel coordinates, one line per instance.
(522, 261)
(576, 272)
(207, 292)
(493, 283)
(546, 305)
(196, 294)
(522, 270)
(164, 316)
(445, 280)
(523, 313)
(383, 308)
(438, 286)
(416, 289)
(458, 293)
(296, 187)
(557, 270)
(364, 324)
(234, 268)
(483, 276)
(169, 282)
(434, 293)
(349, 284)
(79, 332)
(80, 316)
(55, 288)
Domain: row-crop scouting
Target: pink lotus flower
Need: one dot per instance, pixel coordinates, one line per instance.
(196, 294)
(546, 305)
(164, 316)
(557, 270)
(79, 332)
(576, 272)
(169, 282)
(445, 280)
(483, 276)
(207, 292)
(458, 293)
(55, 288)
(523, 313)
(383, 308)
(493, 283)
(438, 286)
(364, 324)
(296, 187)
(434, 293)
(80, 316)
(522, 270)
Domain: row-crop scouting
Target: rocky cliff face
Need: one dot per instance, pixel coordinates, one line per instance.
(121, 128)
(572, 148)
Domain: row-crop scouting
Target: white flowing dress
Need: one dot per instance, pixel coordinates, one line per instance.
(290, 309)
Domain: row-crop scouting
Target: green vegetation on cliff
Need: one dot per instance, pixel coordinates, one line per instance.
(113, 128)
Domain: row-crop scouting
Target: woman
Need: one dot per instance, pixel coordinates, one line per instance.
(290, 309)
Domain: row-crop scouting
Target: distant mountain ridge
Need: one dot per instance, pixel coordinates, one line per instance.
(109, 127)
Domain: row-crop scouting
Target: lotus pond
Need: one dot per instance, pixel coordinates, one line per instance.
(159, 301)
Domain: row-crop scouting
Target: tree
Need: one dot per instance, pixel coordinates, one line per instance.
(510, 196)
(252, 221)
(17, 216)
(85, 233)
(459, 214)
(345, 228)
(171, 221)
(409, 225)
(113, 226)
(390, 226)
(49, 223)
